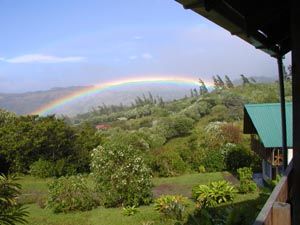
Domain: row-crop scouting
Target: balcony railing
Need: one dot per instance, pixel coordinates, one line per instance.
(277, 209)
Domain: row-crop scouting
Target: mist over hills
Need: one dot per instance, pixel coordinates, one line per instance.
(27, 102)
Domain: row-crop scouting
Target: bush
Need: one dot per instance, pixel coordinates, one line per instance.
(121, 175)
(10, 211)
(238, 157)
(201, 169)
(129, 210)
(42, 169)
(165, 163)
(214, 160)
(246, 182)
(247, 186)
(62, 168)
(171, 206)
(245, 173)
(213, 194)
(70, 194)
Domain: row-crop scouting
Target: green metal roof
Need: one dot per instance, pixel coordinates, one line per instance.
(265, 120)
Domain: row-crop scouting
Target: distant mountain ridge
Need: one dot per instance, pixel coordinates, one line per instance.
(25, 103)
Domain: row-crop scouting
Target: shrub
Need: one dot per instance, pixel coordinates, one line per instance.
(272, 183)
(214, 193)
(201, 169)
(167, 163)
(10, 211)
(42, 169)
(171, 206)
(129, 210)
(247, 186)
(121, 175)
(246, 182)
(62, 168)
(245, 173)
(70, 194)
(214, 160)
(231, 133)
(238, 157)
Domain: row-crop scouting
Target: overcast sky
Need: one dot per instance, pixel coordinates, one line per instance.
(59, 43)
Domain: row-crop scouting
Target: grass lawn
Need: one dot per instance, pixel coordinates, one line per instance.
(33, 189)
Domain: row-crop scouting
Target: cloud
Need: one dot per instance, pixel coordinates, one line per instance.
(137, 37)
(41, 58)
(147, 56)
(133, 57)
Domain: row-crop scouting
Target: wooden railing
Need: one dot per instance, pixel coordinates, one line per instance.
(277, 210)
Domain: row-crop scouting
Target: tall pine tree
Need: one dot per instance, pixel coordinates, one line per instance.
(203, 89)
(228, 82)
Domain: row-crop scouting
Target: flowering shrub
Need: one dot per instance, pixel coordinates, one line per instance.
(171, 206)
(70, 194)
(121, 175)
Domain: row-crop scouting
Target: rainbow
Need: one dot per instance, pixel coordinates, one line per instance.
(179, 80)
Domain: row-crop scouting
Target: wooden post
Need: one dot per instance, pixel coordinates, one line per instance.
(282, 108)
(295, 41)
(281, 213)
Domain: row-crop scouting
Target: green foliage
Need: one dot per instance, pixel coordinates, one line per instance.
(201, 169)
(213, 194)
(176, 126)
(245, 173)
(130, 210)
(121, 175)
(214, 160)
(86, 139)
(247, 185)
(42, 169)
(171, 206)
(165, 163)
(237, 157)
(10, 211)
(272, 183)
(68, 194)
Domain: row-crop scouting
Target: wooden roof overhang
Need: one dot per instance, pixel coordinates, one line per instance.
(262, 23)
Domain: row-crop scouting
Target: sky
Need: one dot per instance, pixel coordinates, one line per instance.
(61, 43)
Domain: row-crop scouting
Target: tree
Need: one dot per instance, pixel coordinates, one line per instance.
(288, 75)
(86, 140)
(25, 139)
(216, 83)
(195, 92)
(252, 80)
(203, 89)
(220, 82)
(245, 80)
(192, 93)
(228, 82)
(11, 212)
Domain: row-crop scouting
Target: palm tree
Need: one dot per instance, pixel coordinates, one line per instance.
(10, 211)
